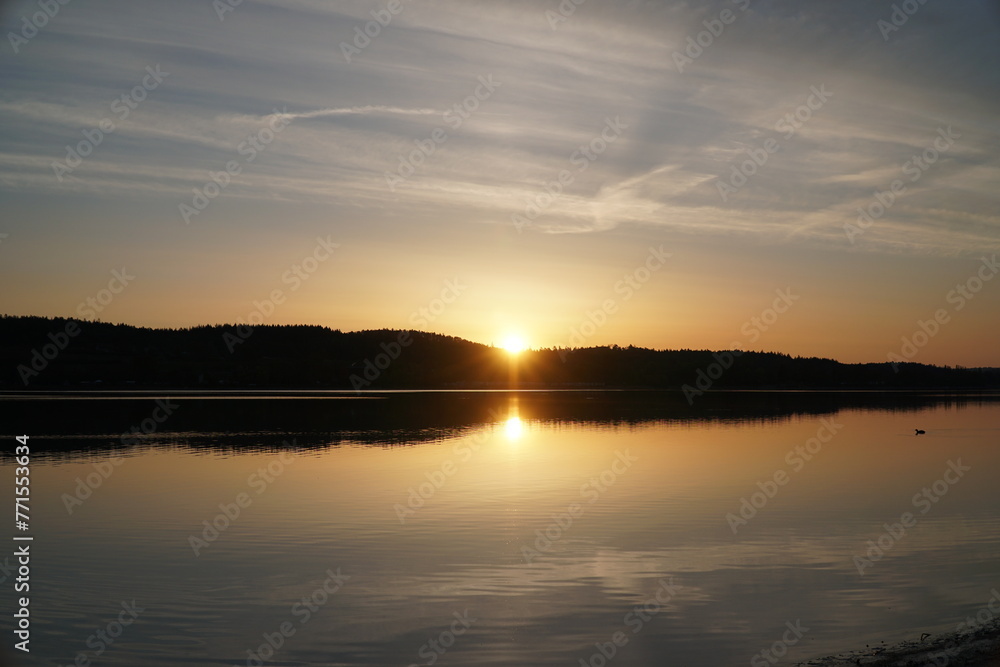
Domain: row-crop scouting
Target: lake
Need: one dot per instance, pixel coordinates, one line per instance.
(500, 528)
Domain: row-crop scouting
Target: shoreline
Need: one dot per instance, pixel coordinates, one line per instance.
(978, 648)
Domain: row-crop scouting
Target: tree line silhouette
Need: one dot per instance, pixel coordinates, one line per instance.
(47, 353)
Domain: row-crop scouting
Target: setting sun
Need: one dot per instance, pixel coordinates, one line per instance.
(514, 344)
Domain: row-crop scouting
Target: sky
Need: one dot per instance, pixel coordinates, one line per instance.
(814, 178)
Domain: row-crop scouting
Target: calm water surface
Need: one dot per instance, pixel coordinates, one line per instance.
(497, 528)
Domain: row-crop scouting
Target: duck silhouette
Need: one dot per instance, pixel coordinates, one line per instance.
(919, 432)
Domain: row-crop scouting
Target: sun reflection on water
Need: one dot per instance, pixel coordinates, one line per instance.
(513, 428)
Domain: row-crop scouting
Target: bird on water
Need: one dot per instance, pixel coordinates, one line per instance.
(919, 432)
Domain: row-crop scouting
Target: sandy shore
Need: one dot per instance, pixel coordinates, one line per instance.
(980, 648)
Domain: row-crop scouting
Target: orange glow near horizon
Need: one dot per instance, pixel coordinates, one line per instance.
(705, 298)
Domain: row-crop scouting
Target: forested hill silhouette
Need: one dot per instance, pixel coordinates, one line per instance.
(50, 353)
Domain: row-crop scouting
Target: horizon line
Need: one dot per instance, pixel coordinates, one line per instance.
(492, 345)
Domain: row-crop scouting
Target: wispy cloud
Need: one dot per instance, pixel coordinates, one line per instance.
(350, 111)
